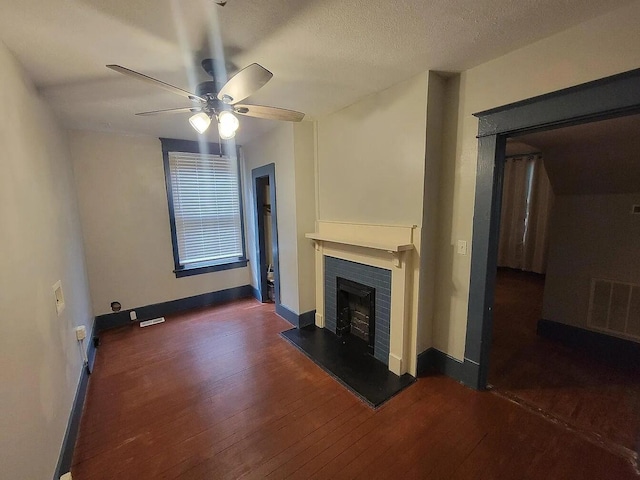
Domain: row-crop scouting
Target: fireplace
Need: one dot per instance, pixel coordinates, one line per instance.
(382, 257)
(365, 290)
(355, 314)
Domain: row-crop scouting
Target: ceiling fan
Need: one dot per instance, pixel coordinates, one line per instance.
(223, 103)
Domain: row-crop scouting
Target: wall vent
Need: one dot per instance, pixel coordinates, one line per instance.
(614, 307)
(155, 321)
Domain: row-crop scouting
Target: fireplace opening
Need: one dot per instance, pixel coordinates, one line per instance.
(356, 311)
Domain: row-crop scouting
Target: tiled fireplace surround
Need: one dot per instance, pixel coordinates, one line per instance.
(378, 278)
(378, 256)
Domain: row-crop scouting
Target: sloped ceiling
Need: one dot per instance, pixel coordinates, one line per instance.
(594, 158)
(325, 54)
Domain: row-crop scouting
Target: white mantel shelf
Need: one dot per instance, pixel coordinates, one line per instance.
(391, 248)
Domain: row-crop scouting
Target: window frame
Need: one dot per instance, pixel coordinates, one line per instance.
(189, 146)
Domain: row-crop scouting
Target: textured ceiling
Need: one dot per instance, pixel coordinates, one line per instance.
(325, 54)
(594, 158)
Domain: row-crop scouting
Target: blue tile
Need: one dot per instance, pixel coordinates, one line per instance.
(378, 278)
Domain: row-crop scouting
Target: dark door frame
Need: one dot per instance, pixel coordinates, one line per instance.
(258, 178)
(614, 96)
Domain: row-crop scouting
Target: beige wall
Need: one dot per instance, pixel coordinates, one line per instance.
(371, 169)
(371, 157)
(125, 221)
(430, 213)
(276, 146)
(304, 154)
(592, 236)
(291, 148)
(41, 243)
(592, 50)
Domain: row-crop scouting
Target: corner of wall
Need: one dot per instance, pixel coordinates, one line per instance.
(430, 213)
(305, 186)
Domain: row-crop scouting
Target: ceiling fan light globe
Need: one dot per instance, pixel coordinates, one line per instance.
(225, 132)
(228, 121)
(200, 122)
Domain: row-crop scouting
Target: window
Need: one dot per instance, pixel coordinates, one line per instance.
(205, 207)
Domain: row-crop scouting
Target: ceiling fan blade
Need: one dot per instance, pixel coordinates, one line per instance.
(271, 113)
(171, 110)
(244, 83)
(157, 83)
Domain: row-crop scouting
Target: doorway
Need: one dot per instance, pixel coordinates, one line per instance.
(610, 97)
(266, 226)
(568, 279)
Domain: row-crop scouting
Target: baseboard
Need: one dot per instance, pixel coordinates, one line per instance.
(298, 321)
(307, 318)
(91, 348)
(466, 372)
(256, 293)
(73, 426)
(119, 319)
(621, 352)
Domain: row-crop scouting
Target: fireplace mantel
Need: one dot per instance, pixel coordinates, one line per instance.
(389, 247)
(394, 248)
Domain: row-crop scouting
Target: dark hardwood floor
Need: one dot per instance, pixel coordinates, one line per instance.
(597, 398)
(217, 394)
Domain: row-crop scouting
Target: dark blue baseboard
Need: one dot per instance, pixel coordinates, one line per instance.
(119, 319)
(307, 318)
(91, 351)
(607, 348)
(298, 321)
(256, 293)
(73, 425)
(466, 372)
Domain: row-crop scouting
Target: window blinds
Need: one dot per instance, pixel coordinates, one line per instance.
(206, 207)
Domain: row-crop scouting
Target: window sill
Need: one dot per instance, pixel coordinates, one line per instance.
(207, 268)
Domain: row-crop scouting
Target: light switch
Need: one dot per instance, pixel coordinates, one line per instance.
(462, 247)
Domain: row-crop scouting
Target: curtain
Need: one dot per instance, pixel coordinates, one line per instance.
(527, 199)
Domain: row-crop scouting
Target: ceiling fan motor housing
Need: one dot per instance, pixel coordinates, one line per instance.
(205, 88)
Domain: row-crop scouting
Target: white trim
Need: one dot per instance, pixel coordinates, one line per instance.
(391, 248)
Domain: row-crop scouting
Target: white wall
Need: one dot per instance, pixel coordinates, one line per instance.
(41, 243)
(125, 221)
(592, 236)
(291, 148)
(592, 50)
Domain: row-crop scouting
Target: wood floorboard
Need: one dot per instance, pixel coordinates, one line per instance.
(597, 398)
(231, 416)
(217, 394)
(245, 455)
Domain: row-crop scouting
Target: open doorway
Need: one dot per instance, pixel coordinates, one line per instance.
(607, 98)
(566, 317)
(266, 224)
(610, 97)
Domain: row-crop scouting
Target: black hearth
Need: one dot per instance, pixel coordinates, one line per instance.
(356, 311)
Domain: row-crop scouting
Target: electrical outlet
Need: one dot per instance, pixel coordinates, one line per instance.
(81, 332)
(133, 315)
(462, 247)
